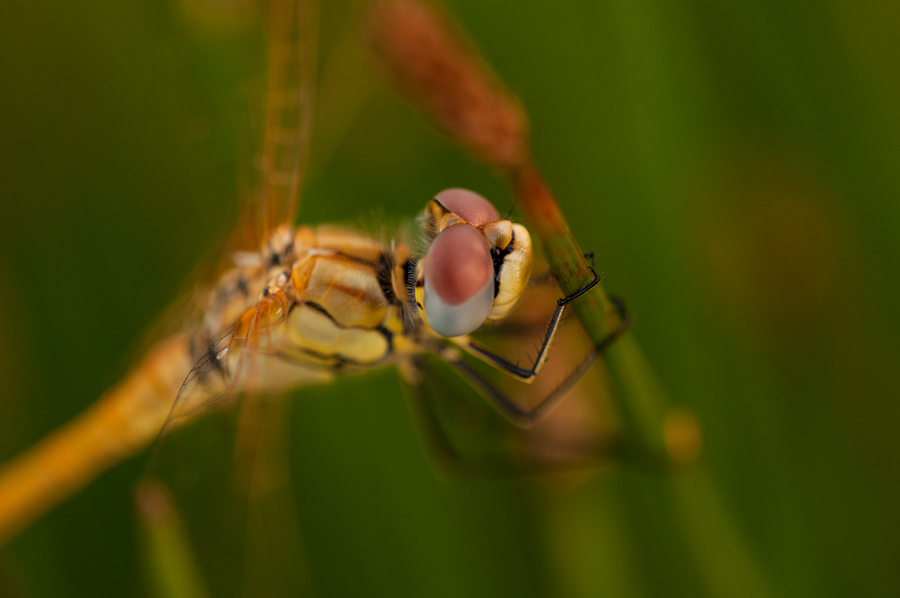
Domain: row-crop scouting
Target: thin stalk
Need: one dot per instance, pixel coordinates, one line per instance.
(428, 60)
(640, 411)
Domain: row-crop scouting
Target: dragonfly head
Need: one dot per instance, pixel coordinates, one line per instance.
(476, 265)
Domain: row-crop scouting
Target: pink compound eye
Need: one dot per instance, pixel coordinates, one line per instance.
(459, 281)
(468, 205)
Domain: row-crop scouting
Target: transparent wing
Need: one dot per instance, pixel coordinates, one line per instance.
(228, 475)
(196, 464)
(228, 470)
(275, 558)
(289, 107)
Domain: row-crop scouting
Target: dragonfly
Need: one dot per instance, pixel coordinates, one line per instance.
(306, 304)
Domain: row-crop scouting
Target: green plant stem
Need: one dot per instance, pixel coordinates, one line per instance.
(641, 403)
(640, 409)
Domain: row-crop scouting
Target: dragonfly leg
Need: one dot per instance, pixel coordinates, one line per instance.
(527, 374)
(527, 416)
(433, 436)
(453, 458)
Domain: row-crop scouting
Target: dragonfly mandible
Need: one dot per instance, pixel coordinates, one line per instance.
(307, 304)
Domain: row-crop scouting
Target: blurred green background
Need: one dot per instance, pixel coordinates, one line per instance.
(735, 168)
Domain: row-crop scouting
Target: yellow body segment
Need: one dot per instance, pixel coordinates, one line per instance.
(315, 332)
(348, 289)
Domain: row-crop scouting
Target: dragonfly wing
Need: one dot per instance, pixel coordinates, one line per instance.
(465, 436)
(275, 558)
(457, 427)
(229, 478)
(228, 471)
(196, 463)
(289, 107)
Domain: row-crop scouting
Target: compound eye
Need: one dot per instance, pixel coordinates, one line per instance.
(468, 205)
(459, 281)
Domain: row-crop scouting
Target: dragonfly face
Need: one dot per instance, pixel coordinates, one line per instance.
(476, 267)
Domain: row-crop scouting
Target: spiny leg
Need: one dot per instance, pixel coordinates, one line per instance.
(515, 452)
(527, 374)
(527, 416)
